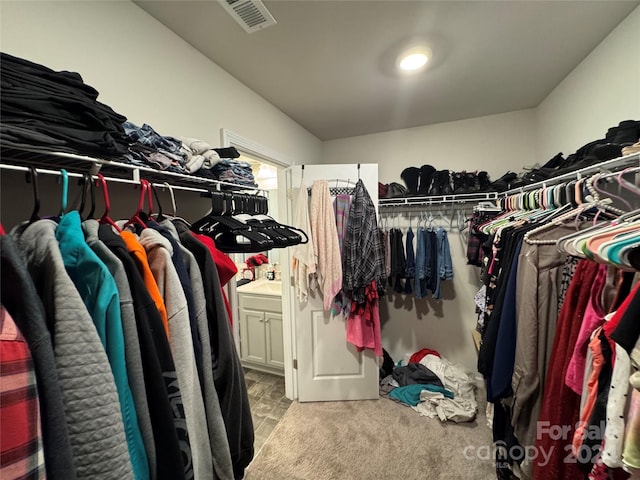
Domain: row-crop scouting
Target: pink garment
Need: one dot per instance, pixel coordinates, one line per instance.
(593, 318)
(363, 323)
(326, 247)
(598, 361)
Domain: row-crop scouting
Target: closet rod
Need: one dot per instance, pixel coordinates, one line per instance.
(45, 171)
(615, 164)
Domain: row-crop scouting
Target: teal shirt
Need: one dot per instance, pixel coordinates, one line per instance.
(410, 394)
(100, 295)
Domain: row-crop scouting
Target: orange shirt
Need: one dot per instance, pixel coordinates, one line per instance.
(134, 246)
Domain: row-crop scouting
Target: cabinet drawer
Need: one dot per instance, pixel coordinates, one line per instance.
(260, 302)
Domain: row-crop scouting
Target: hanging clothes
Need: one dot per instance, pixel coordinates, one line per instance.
(410, 271)
(560, 404)
(363, 323)
(166, 409)
(217, 431)
(131, 339)
(159, 252)
(341, 206)
(20, 297)
(363, 253)
(227, 369)
(325, 243)
(84, 374)
(99, 292)
(20, 428)
(303, 258)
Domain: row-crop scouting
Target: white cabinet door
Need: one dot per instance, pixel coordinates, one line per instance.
(329, 368)
(253, 338)
(274, 341)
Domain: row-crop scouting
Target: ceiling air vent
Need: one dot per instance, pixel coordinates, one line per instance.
(252, 15)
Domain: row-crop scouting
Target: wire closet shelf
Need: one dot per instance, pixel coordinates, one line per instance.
(113, 170)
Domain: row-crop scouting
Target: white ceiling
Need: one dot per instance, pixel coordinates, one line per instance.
(326, 64)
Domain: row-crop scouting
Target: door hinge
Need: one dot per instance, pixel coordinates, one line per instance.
(295, 364)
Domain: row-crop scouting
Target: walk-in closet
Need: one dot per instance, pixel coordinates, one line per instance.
(269, 240)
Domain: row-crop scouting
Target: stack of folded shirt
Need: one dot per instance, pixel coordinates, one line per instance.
(199, 154)
(149, 148)
(219, 164)
(233, 171)
(55, 111)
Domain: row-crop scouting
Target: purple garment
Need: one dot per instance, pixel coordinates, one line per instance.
(341, 207)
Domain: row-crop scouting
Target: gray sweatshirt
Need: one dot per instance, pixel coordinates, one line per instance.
(92, 408)
(159, 251)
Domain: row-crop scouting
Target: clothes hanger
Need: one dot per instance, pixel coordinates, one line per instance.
(86, 184)
(106, 219)
(230, 234)
(93, 197)
(135, 219)
(594, 183)
(557, 221)
(628, 185)
(32, 177)
(267, 225)
(160, 215)
(64, 179)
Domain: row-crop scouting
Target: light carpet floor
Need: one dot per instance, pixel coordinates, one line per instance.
(373, 439)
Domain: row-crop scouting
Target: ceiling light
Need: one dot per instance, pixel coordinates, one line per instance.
(413, 60)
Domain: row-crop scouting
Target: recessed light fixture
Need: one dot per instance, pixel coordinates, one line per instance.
(413, 60)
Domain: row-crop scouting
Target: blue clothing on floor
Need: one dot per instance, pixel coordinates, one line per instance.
(410, 394)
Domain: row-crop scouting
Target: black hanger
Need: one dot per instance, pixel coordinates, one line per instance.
(160, 216)
(32, 177)
(93, 199)
(230, 234)
(282, 235)
(86, 183)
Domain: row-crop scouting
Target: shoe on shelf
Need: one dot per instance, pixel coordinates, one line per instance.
(410, 176)
(426, 178)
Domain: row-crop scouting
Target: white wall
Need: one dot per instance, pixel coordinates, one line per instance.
(445, 325)
(602, 91)
(147, 73)
(495, 143)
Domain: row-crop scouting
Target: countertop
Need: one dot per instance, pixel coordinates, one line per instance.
(262, 287)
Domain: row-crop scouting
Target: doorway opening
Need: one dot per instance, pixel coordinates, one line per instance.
(261, 307)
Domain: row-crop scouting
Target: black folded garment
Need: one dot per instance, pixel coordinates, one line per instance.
(416, 373)
(53, 110)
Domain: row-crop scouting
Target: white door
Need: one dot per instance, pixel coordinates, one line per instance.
(329, 368)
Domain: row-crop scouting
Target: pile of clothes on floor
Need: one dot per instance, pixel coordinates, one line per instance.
(431, 385)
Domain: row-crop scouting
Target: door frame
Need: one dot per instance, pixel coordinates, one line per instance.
(253, 149)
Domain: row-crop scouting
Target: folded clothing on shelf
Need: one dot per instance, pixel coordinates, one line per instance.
(48, 110)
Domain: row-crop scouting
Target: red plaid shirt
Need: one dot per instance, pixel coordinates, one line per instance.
(21, 454)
